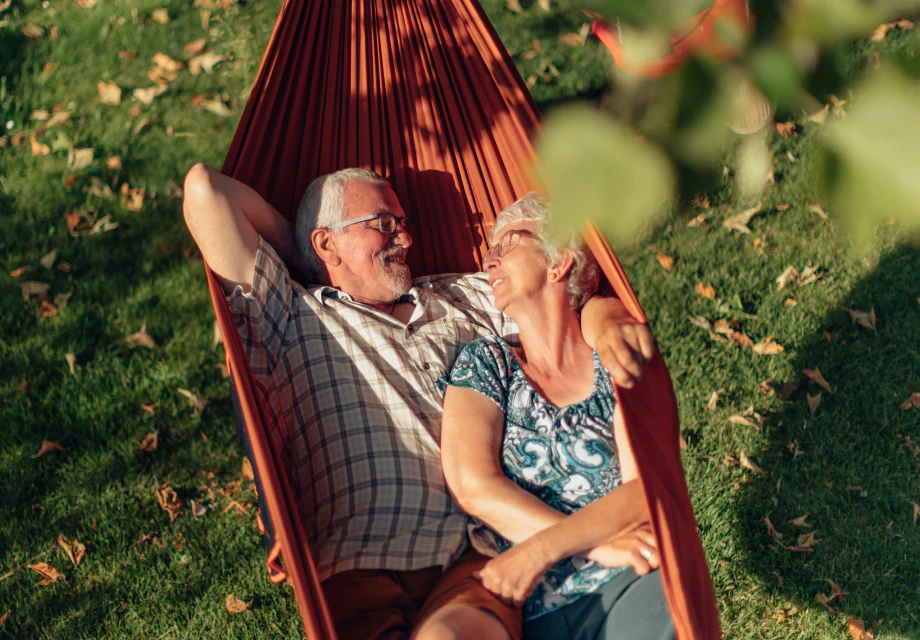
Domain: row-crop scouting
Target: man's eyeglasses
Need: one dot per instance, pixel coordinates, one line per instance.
(387, 223)
(508, 242)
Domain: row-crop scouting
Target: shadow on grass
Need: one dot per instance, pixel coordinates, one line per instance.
(855, 477)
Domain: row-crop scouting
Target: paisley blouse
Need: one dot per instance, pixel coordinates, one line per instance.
(566, 456)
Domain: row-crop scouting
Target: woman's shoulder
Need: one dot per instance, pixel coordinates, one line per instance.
(489, 353)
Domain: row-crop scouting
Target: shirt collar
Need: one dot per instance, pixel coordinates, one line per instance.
(324, 292)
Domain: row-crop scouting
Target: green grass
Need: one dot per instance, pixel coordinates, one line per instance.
(101, 490)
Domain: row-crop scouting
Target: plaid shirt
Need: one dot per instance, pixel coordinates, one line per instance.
(358, 388)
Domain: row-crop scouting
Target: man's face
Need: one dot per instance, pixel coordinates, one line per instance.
(376, 260)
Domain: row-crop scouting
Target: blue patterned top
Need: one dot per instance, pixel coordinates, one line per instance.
(566, 456)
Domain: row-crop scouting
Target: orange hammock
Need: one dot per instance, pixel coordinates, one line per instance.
(423, 92)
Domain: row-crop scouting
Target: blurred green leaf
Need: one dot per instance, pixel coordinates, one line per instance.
(777, 74)
(872, 157)
(599, 171)
(830, 21)
(661, 13)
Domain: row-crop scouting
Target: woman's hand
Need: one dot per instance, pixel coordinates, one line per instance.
(513, 575)
(637, 549)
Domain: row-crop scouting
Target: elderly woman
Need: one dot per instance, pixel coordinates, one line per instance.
(534, 449)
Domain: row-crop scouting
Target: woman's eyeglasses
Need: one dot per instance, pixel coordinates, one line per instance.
(387, 223)
(508, 242)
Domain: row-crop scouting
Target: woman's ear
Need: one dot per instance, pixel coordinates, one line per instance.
(560, 270)
(324, 244)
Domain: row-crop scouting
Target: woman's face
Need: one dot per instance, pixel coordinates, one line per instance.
(516, 265)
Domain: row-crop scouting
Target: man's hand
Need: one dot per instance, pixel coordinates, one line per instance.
(636, 548)
(623, 344)
(513, 575)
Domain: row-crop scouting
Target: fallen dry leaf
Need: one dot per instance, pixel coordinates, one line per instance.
(666, 261)
(879, 34)
(47, 260)
(195, 47)
(79, 158)
(132, 199)
(823, 600)
(160, 15)
(747, 463)
(800, 521)
(787, 277)
(114, 162)
(911, 402)
(109, 92)
(789, 302)
(31, 288)
(816, 208)
(706, 291)
(71, 362)
(142, 338)
(836, 592)
(4, 618)
(698, 220)
(776, 535)
(15, 273)
(739, 222)
(786, 129)
(809, 275)
(916, 512)
(821, 115)
(102, 225)
(38, 148)
(204, 62)
(813, 402)
(169, 501)
(166, 63)
(246, 471)
(749, 418)
(49, 574)
(197, 403)
(514, 5)
(150, 408)
(47, 309)
(713, 399)
(700, 321)
(146, 96)
(74, 549)
(198, 510)
(867, 320)
(32, 30)
(768, 347)
(236, 506)
(806, 540)
(815, 374)
(856, 629)
(59, 117)
(149, 443)
(98, 188)
(216, 106)
(791, 157)
(234, 604)
(48, 447)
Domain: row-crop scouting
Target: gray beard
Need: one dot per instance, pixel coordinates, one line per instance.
(399, 278)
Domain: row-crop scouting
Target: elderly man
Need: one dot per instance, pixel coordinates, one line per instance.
(354, 361)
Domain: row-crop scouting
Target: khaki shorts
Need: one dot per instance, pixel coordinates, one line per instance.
(372, 604)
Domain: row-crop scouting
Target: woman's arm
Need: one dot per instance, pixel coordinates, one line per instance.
(471, 437)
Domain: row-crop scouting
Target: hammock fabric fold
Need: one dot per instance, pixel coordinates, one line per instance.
(424, 93)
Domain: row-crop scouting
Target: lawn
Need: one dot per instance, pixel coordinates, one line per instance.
(849, 463)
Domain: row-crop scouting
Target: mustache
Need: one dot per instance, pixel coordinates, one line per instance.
(390, 252)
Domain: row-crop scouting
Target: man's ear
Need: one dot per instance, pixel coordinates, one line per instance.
(563, 266)
(323, 242)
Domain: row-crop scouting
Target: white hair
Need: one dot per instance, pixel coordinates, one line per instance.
(584, 276)
(322, 206)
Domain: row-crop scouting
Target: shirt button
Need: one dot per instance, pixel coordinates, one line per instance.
(426, 366)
